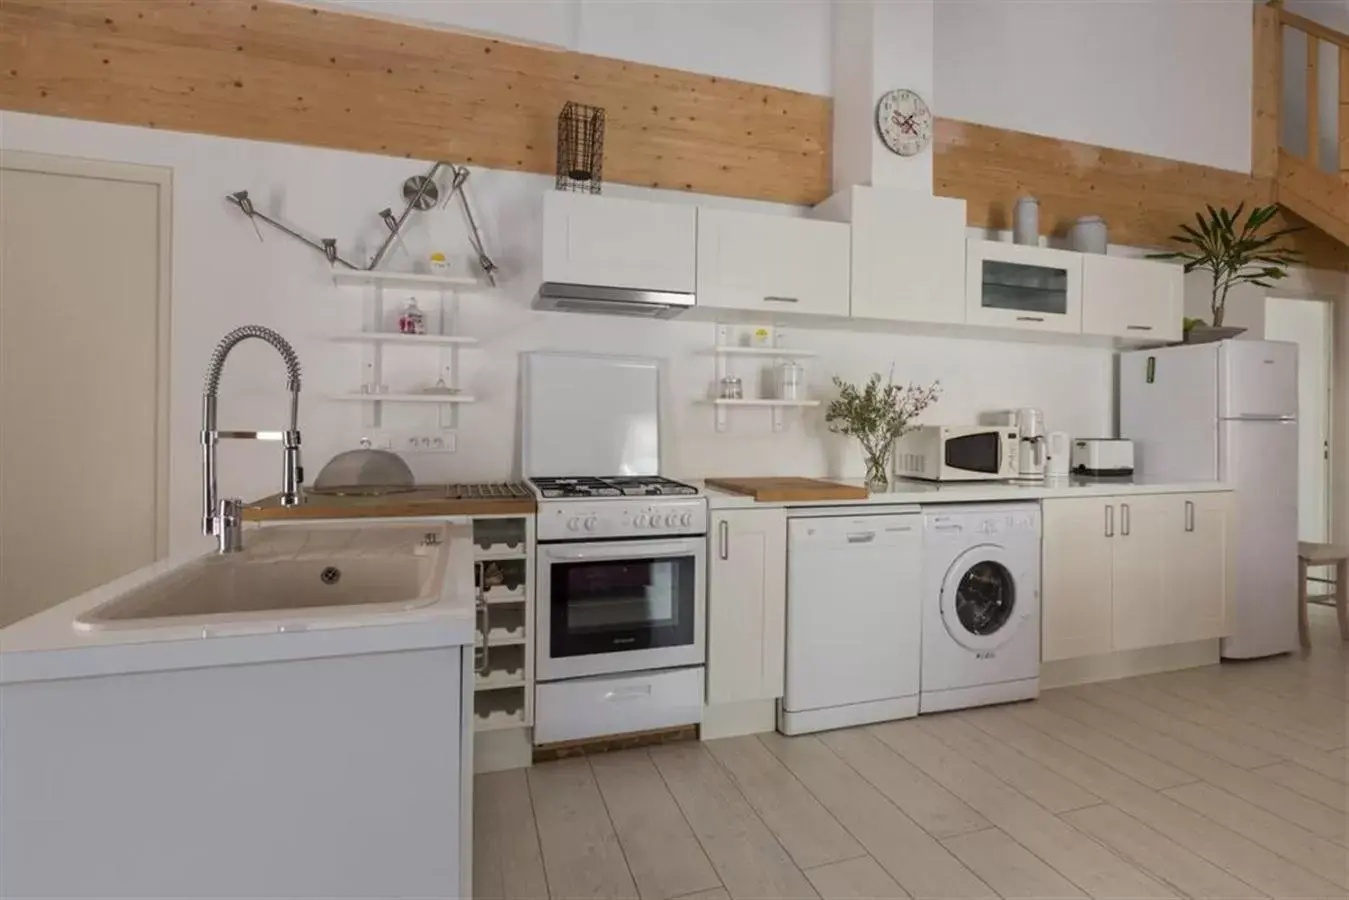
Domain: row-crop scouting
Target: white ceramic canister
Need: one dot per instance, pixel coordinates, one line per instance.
(1088, 235)
(1026, 222)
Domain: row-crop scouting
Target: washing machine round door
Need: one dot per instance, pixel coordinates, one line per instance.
(981, 604)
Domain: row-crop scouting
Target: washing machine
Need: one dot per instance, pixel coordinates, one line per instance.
(981, 605)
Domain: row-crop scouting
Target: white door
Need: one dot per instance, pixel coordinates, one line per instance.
(774, 264)
(746, 605)
(1140, 611)
(1075, 607)
(1136, 299)
(83, 382)
(1016, 286)
(1198, 565)
(1310, 325)
(615, 242)
(1260, 462)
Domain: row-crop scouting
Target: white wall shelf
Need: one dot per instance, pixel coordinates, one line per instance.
(441, 320)
(728, 350)
(408, 398)
(769, 352)
(411, 280)
(763, 401)
(394, 337)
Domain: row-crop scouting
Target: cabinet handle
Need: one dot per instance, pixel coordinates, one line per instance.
(1138, 327)
(781, 300)
(1109, 521)
(724, 539)
(1189, 515)
(1030, 318)
(1124, 519)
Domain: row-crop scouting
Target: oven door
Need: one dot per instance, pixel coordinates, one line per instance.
(619, 606)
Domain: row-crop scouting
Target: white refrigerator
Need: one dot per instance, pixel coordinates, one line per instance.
(1228, 411)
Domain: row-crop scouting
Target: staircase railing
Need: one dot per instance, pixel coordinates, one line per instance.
(1315, 183)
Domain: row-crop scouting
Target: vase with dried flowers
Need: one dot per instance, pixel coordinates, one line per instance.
(877, 414)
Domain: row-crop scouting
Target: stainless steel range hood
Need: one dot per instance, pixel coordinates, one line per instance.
(589, 298)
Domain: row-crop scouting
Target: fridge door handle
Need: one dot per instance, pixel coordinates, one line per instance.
(1189, 515)
(1124, 519)
(1109, 520)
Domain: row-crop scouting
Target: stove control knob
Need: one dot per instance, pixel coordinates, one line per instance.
(671, 520)
(590, 523)
(573, 524)
(686, 519)
(655, 521)
(641, 521)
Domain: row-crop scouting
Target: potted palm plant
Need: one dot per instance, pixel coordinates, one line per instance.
(1233, 253)
(877, 415)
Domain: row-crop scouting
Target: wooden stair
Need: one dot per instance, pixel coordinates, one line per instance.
(1311, 186)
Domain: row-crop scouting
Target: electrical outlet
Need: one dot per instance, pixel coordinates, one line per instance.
(438, 442)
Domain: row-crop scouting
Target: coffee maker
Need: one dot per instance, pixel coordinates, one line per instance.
(1030, 427)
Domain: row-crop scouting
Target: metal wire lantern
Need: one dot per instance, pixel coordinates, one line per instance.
(580, 148)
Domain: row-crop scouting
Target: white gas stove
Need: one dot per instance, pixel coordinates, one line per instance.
(621, 558)
(573, 509)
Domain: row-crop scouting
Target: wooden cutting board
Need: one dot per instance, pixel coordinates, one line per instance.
(785, 490)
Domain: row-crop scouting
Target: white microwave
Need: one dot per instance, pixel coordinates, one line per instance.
(958, 453)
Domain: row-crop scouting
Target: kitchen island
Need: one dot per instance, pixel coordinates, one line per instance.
(246, 725)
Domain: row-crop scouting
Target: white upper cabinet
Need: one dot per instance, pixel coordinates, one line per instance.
(908, 254)
(1017, 286)
(1135, 299)
(774, 264)
(614, 242)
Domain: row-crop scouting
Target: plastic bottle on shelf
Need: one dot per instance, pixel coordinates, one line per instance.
(412, 321)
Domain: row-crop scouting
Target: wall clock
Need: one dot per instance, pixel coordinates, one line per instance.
(904, 122)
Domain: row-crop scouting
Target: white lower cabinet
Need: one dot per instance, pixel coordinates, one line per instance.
(746, 605)
(1075, 578)
(1128, 572)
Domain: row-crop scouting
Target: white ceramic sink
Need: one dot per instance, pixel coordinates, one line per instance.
(285, 573)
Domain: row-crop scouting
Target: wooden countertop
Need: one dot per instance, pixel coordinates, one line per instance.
(428, 500)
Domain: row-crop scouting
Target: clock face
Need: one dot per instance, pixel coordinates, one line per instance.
(904, 122)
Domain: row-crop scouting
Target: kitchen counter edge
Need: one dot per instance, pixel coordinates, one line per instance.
(926, 493)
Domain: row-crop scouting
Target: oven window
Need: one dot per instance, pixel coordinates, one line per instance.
(611, 606)
(975, 452)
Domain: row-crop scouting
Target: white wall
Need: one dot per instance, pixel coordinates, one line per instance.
(1170, 78)
(1167, 77)
(223, 277)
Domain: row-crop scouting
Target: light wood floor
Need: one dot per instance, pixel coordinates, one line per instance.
(1227, 781)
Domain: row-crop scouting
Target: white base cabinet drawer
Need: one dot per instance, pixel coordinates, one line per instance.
(617, 704)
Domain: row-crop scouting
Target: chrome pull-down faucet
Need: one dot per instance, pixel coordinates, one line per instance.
(223, 519)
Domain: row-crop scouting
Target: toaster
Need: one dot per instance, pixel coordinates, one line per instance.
(1102, 456)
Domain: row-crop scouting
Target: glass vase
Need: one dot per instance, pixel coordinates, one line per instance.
(878, 467)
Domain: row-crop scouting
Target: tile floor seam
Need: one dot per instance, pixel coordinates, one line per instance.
(826, 809)
(683, 815)
(613, 826)
(1085, 890)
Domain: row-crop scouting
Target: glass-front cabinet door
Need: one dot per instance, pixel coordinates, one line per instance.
(1015, 286)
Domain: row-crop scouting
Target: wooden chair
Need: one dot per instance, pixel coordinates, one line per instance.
(1309, 555)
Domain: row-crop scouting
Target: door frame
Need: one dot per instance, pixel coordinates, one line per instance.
(1331, 350)
(161, 178)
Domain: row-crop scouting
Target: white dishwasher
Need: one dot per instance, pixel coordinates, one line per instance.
(854, 617)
